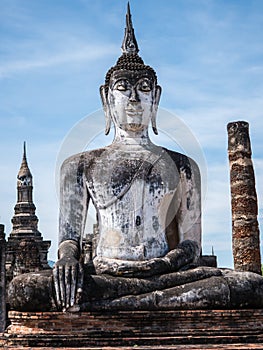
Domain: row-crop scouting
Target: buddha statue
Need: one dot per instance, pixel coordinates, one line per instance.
(148, 204)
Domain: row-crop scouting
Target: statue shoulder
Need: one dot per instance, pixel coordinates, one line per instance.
(184, 163)
(82, 159)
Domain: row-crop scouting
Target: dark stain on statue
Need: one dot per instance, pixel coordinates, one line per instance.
(80, 172)
(138, 220)
(182, 162)
(155, 182)
(188, 203)
(155, 222)
(124, 221)
(123, 175)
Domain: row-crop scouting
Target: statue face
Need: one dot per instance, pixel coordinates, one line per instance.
(131, 98)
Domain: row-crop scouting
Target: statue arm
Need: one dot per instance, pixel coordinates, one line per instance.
(188, 216)
(68, 271)
(73, 200)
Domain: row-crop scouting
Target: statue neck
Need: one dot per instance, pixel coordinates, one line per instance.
(138, 138)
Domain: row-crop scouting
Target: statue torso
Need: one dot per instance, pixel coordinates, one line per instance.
(132, 192)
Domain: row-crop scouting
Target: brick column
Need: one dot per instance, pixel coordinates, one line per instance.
(2, 280)
(245, 230)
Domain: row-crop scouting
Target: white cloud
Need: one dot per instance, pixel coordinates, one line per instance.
(87, 53)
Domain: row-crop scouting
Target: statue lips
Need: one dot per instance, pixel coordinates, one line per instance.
(134, 112)
(134, 116)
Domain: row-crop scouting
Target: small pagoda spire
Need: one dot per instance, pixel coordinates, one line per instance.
(24, 181)
(26, 251)
(24, 171)
(129, 44)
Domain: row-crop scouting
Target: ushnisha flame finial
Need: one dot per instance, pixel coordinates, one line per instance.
(129, 60)
(129, 44)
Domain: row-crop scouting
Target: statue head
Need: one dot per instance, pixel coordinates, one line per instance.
(130, 95)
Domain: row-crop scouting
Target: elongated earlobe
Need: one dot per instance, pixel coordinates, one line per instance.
(106, 109)
(158, 91)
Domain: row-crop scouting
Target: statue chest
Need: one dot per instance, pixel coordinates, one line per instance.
(132, 197)
(140, 179)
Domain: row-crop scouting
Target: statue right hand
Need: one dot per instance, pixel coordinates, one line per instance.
(68, 280)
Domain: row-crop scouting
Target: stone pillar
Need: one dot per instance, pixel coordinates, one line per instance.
(245, 229)
(2, 280)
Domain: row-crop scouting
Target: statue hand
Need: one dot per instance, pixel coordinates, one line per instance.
(187, 252)
(68, 281)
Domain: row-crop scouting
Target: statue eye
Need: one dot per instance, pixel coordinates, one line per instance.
(145, 85)
(121, 85)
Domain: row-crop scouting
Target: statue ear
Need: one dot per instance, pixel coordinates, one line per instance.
(158, 91)
(105, 108)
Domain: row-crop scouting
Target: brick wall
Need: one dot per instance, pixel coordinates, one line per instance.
(135, 328)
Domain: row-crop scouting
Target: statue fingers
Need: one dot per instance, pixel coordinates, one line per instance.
(73, 285)
(57, 286)
(68, 281)
(62, 286)
(80, 283)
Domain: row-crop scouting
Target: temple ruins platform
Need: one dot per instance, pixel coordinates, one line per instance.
(206, 329)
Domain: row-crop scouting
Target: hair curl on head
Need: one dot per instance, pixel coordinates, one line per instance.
(131, 62)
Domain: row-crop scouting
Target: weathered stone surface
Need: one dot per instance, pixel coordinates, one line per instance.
(245, 230)
(2, 280)
(204, 294)
(26, 291)
(245, 204)
(249, 255)
(32, 291)
(107, 287)
(242, 172)
(246, 289)
(240, 187)
(199, 288)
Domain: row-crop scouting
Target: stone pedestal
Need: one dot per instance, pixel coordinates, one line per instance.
(155, 329)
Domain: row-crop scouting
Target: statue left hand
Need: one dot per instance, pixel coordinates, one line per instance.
(68, 278)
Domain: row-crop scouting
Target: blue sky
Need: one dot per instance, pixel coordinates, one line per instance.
(208, 55)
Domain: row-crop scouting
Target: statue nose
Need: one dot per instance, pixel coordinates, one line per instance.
(134, 96)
